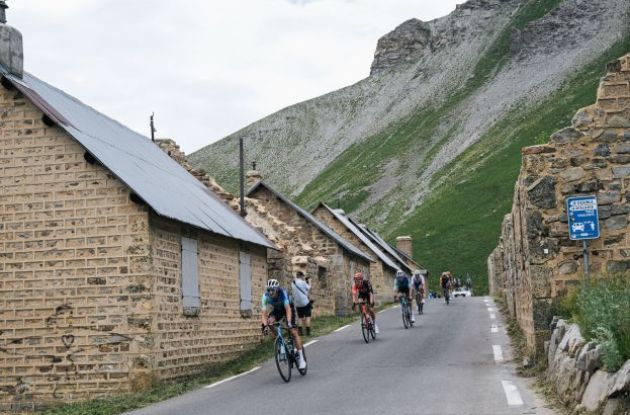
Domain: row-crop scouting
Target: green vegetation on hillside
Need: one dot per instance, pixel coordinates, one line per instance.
(457, 227)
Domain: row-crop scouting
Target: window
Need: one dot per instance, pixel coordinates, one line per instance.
(190, 277)
(245, 283)
(321, 277)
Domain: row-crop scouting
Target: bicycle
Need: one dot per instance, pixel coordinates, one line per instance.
(367, 324)
(419, 301)
(405, 308)
(285, 354)
(447, 295)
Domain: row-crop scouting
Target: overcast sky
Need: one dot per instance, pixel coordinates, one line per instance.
(205, 67)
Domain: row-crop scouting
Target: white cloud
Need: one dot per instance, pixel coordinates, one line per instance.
(207, 68)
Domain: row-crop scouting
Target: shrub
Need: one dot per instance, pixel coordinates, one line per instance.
(603, 314)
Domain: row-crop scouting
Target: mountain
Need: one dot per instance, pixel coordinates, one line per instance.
(429, 143)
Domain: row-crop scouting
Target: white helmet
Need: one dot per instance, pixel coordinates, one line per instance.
(272, 283)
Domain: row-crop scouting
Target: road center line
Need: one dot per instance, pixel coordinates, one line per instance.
(511, 393)
(231, 378)
(494, 329)
(342, 328)
(311, 342)
(492, 316)
(498, 353)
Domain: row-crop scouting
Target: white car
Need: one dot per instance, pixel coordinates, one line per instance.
(462, 292)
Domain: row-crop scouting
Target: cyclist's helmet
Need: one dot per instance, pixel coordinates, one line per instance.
(358, 277)
(272, 285)
(399, 273)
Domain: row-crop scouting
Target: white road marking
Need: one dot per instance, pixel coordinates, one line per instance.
(492, 316)
(498, 353)
(494, 329)
(490, 309)
(342, 328)
(232, 378)
(511, 393)
(311, 342)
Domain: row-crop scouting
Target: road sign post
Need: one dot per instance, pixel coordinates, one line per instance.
(583, 219)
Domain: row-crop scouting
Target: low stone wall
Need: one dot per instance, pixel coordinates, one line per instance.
(575, 370)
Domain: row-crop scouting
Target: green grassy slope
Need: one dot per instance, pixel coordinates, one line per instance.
(459, 225)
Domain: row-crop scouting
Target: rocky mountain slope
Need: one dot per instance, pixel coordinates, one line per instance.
(428, 144)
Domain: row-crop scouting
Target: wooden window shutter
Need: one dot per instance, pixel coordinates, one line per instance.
(245, 283)
(190, 277)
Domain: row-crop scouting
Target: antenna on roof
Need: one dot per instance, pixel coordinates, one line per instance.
(153, 130)
(3, 15)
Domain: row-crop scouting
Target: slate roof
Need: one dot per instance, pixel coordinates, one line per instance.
(140, 164)
(341, 217)
(347, 246)
(376, 238)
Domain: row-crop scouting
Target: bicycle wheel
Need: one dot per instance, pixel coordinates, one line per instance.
(405, 315)
(283, 360)
(303, 371)
(372, 330)
(365, 329)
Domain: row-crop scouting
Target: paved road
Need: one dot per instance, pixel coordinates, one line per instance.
(446, 364)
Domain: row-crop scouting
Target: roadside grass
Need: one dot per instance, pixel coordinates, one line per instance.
(161, 391)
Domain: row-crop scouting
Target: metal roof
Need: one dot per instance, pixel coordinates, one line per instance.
(376, 238)
(341, 217)
(318, 224)
(140, 164)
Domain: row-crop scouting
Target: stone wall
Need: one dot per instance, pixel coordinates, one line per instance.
(536, 261)
(219, 333)
(73, 255)
(576, 372)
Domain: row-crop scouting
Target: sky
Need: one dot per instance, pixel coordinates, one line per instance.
(206, 68)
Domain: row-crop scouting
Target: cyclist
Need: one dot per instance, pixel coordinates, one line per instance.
(418, 283)
(362, 290)
(446, 281)
(281, 306)
(402, 285)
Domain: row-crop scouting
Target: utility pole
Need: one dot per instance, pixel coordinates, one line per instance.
(153, 130)
(3, 15)
(241, 152)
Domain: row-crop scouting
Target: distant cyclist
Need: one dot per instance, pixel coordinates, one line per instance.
(418, 283)
(277, 299)
(362, 290)
(446, 282)
(402, 286)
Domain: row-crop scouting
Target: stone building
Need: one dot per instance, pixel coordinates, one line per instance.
(536, 262)
(382, 270)
(326, 256)
(295, 250)
(117, 267)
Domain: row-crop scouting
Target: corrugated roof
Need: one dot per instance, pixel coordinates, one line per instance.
(161, 182)
(318, 224)
(376, 238)
(341, 217)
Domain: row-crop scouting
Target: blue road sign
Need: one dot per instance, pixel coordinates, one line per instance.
(583, 217)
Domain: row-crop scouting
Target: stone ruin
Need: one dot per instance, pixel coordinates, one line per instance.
(535, 262)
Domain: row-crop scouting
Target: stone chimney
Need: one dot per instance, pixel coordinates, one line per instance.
(252, 177)
(405, 244)
(11, 53)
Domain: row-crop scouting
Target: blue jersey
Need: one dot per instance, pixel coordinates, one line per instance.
(279, 303)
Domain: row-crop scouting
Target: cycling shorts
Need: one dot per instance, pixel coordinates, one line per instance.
(280, 313)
